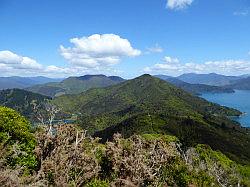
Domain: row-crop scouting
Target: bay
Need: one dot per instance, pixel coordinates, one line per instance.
(239, 100)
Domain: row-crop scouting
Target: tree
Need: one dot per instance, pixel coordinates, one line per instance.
(46, 114)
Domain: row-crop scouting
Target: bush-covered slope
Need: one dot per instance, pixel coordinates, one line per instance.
(70, 158)
(21, 100)
(75, 85)
(150, 105)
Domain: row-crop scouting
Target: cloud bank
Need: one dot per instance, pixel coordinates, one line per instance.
(173, 66)
(12, 64)
(12, 60)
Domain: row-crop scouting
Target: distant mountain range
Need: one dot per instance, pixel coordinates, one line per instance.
(194, 83)
(196, 89)
(224, 82)
(241, 84)
(150, 105)
(23, 82)
(75, 85)
(212, 79)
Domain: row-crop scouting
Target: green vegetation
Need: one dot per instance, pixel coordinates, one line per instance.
(150, 105)
(16, 140)
(21, 100)
(75, 85)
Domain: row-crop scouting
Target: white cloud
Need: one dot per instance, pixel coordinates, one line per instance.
(10, 59)
(178, 4)
(12, 64)
(241, 13)
(98, 51)
(154, 49)
(172, 66)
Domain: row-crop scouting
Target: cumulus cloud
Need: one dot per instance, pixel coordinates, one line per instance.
(154, 49)
(178, 4)
(98, 50)
(172, 66)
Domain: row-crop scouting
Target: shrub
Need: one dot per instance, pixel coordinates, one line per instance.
(16, 140)
(68, 157)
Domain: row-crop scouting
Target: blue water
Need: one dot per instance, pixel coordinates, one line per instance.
(239, 100)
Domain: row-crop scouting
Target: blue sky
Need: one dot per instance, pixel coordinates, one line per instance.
(125, 38)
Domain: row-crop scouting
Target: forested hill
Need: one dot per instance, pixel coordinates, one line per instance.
(75, 85)
(149, 105)
(21, 100)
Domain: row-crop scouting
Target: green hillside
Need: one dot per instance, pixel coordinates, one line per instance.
(75, 85)
(20, 100)
(150, 105)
